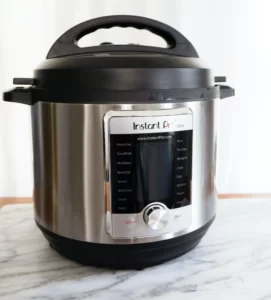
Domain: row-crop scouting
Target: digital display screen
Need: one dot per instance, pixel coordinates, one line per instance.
(152, 167)
(155, 161)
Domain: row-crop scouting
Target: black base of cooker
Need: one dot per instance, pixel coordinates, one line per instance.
(136, 256)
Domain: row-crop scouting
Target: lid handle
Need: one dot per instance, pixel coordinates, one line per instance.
(67, 43)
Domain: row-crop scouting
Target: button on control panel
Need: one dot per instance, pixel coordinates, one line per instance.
(183, 168)
(122, 174)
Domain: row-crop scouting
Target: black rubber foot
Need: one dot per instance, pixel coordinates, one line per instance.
(136, 256)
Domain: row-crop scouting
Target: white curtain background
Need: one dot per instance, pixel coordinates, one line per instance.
(233, 36)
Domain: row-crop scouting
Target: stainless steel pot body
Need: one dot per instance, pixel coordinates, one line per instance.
(70, 186)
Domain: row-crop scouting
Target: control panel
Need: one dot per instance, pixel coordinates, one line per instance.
(149, 160)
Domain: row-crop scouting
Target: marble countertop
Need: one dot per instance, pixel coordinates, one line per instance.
(233, 261)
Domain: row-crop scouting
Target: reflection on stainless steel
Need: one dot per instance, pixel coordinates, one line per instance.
(70, 171)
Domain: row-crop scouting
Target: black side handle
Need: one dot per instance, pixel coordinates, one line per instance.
(19, 95)
(24, 81)
(67, 43)
(220, 79)
(226, 91)
(22, 95)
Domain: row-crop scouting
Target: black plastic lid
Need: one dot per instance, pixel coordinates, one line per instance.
(117, 73)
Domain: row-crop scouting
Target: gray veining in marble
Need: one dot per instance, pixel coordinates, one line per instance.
(233, 261)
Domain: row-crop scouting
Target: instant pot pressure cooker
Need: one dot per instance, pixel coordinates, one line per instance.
(124, 143)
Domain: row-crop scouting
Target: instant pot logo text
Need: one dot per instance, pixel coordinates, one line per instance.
(158, 125)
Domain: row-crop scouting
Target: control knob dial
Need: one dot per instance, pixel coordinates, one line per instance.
(156, 216)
